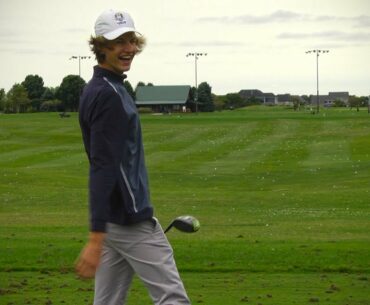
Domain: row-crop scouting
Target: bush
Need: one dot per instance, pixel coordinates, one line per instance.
(145, 110)
(51, 106)
(2, 105)
(233, 101)
(219, 104)
(253, 101)
(339, 103)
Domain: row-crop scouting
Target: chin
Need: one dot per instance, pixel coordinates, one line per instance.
(127, 68)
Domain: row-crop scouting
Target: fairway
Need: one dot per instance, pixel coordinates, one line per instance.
(282, 198)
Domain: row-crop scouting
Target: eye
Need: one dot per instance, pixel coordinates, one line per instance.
(126, 40)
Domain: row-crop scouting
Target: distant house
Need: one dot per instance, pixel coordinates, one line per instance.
(269, 99)
(163, 98)
(342, 96)
(328, 100)
(246, 94)
(265, 98)
(288, 100)
(300, 99)
(284, 99)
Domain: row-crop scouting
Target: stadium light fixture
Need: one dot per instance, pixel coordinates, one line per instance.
(79, 61)
(196, 56)
(317, 51)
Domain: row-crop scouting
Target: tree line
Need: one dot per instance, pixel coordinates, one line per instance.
(32, 96)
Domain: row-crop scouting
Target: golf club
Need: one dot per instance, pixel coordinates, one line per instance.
(188, 224)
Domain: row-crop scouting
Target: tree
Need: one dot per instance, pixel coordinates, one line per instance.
(205, 101)
(191, 100)
(364, 101)
(339, 103)
(306, 98)
(190, 103)
(296, 102)
(51, 105)
(2, 99)
(355, 101)
(49, 94)
(17, 99)
(253, 101)
(35, 88)
(129, 89)
(49, 101)
(234, 100)
(69, 92)
(34, 85)
(219, 101)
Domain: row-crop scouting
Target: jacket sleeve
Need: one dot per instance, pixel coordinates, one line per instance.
(106, 129)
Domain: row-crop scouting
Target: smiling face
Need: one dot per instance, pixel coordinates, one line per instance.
(120, 53)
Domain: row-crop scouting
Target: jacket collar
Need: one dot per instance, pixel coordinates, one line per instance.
(101, 72)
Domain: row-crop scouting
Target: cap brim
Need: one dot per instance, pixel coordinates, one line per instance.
(118, 32)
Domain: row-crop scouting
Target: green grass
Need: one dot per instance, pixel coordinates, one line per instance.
(282, 197)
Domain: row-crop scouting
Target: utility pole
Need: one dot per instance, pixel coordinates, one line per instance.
(317, 74)
(79, 61)
(196, 55)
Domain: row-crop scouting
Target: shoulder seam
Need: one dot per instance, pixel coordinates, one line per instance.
(114, 88)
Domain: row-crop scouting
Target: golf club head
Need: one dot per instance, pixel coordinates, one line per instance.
(188, 224)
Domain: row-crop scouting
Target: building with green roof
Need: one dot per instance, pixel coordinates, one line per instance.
(164, 98)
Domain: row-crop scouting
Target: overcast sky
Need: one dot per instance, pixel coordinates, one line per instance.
(250, 44)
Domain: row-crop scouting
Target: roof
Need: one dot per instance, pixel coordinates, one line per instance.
(283, 97)
(322, 98)
(250, 92)
(331, 97)
(339, 94)
(162, 95)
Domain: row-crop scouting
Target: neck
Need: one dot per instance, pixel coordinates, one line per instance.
(107, 67)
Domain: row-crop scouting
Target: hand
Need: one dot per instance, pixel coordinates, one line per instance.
(89, 259)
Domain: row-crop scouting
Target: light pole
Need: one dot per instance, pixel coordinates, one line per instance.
(196, 55)
(317, 73)
(79, 62)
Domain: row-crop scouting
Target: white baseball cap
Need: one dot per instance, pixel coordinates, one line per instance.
(112, 24)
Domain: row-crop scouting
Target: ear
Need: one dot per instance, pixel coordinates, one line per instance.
(101, 57)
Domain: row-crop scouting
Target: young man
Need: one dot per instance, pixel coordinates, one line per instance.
(124, 237)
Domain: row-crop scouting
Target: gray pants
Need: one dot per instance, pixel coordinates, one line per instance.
(142, 249)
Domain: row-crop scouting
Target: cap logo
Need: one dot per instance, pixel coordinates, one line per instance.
(120, 19)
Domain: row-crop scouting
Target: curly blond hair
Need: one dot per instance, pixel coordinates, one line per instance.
(97, 44)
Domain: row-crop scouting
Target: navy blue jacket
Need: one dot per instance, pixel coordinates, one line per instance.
(111, 131)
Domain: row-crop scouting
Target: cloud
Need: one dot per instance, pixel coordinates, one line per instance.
(22, 51)
(74, 30)
(329, 35)
(283, 16)
(15, 41)
(211, 44)
(198, 44)
(362, 21)
(7, 34)
(278, 16)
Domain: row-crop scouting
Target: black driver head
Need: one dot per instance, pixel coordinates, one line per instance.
(188, 224)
